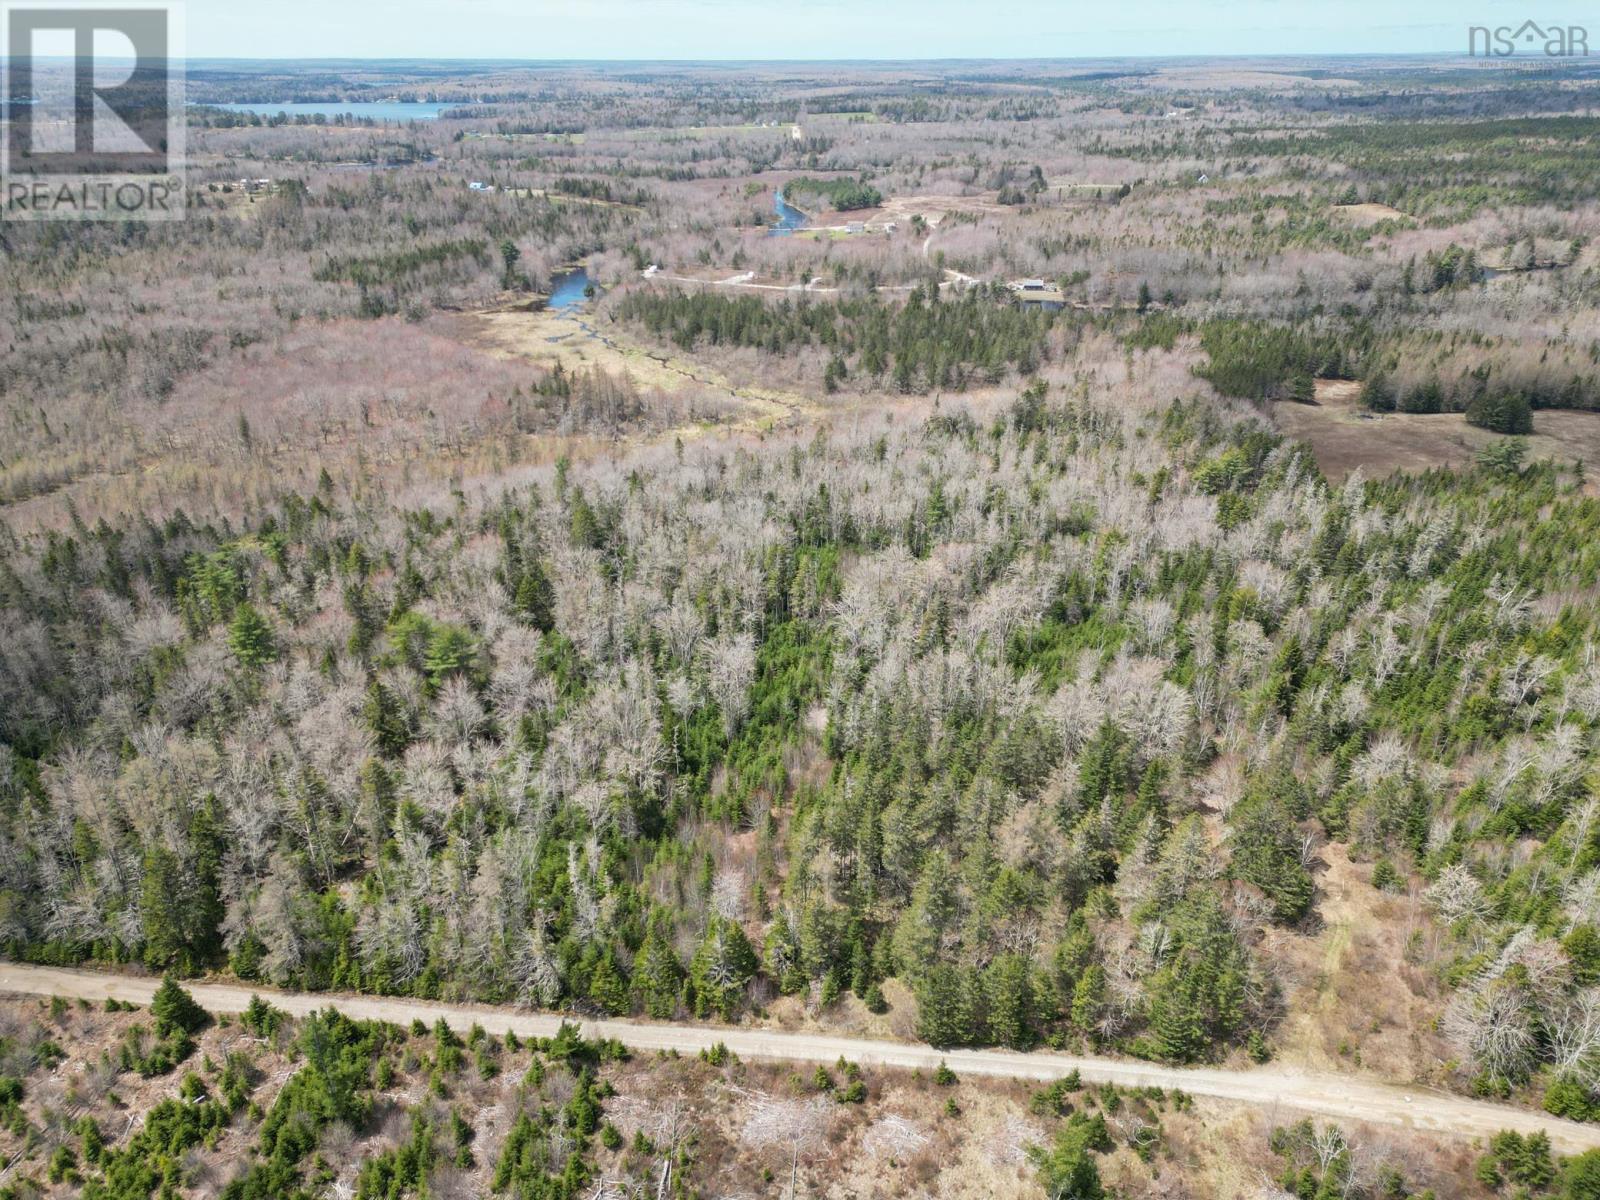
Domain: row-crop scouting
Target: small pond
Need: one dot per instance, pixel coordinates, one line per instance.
(790, 218)
(569, 289)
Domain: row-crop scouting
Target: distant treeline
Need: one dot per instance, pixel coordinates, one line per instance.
(1258, 360)
(535, 128)
(1553, 94)
(1423, 168)
(1255, 360)
(923, 344)
(1485, 405)
(840, 194)
(217, 118)
(597, 189)
(1437, 166)
(381, 269)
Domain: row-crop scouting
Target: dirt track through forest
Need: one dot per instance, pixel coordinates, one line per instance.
(1286, 1093)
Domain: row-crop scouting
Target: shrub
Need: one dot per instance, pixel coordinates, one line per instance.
(175, 1010)
(1507, 413)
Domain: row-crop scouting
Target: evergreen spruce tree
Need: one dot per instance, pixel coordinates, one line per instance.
(657, 974)
(175, 1010)
(944, 1007)
(1008, 988)
(535, 599)
(607, 988)
(385, 719)
(250, 638)
(722, 968)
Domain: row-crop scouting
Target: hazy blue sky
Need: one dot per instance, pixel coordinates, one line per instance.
(534, 29)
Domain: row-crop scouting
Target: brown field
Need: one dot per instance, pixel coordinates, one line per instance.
(932, 209)
(701, 393)
(1368, 214)
(1356, 1002)
(383, 403)
(1343, 436)
(365, 400)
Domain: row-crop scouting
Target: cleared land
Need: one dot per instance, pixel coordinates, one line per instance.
(700, 395)
(1343, 435)
(1369, 214)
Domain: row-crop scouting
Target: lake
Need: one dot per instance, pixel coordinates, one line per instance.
(790, 218)
(567, 289)
(377, 110)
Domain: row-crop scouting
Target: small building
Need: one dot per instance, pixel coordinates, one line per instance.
(1030, 285)
(478, 185)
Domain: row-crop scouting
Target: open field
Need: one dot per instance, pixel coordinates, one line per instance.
(697, 394)
(932, 208)
(1344, 436)
(381, 405)
(1369, 214)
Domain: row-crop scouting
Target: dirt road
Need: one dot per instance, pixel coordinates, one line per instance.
(1285, 1091)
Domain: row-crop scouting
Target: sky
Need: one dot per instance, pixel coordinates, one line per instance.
(848, 29)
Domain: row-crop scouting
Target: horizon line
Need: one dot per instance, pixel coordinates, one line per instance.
(1238, 56)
